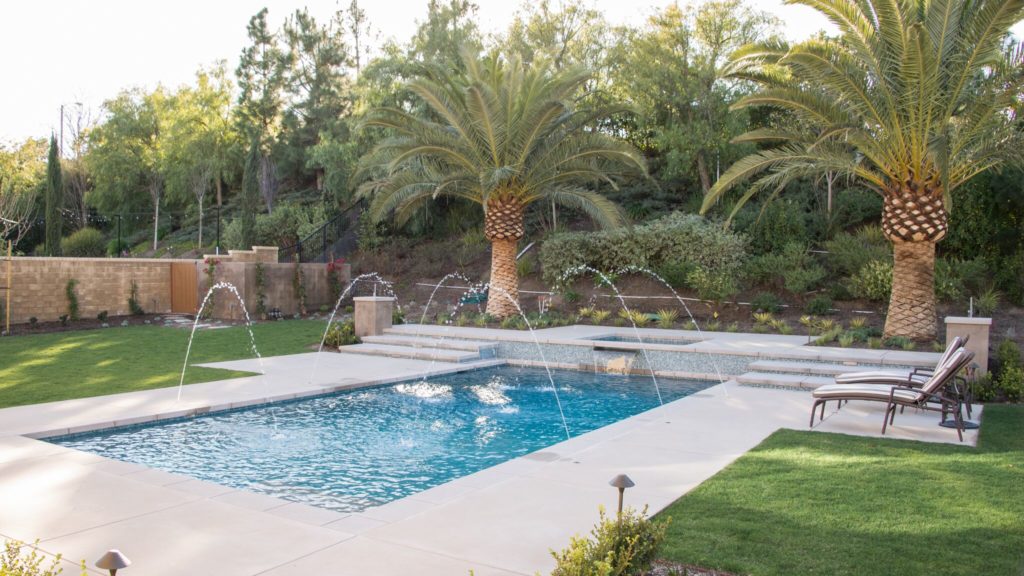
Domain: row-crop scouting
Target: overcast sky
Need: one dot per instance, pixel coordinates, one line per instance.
(72, 51)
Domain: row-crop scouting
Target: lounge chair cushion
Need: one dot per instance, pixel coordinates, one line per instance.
(880, 377)
(863, 392)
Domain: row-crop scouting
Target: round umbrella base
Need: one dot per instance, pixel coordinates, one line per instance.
(968, 425)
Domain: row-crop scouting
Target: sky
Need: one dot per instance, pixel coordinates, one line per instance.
(78, 54)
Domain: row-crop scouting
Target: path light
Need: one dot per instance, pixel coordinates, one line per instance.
(113, 560)
(621, 482)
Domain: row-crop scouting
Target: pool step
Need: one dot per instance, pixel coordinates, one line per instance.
(392, 351)
(797, 381)
(413, 341)
(813, 368)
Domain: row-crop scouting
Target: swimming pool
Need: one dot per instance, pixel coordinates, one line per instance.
(353, 450)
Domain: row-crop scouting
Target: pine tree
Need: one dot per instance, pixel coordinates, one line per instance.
(250, 194)
(54, 200)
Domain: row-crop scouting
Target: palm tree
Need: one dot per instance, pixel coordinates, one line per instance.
(912, 100)
(502, 135)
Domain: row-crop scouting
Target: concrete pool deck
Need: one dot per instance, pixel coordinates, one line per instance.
(500, 521)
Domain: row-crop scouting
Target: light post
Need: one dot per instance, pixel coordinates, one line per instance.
(621, 482)
(113, 561)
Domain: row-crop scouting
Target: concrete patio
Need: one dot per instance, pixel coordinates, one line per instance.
(500, 521)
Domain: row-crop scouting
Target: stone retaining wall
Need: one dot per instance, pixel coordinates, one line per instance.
(104, 284)
(38, 286)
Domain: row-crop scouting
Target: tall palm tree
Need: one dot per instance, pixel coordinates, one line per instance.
(502, 135)
(912, 99)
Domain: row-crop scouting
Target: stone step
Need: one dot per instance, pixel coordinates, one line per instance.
(430, 342)
(814, 368)
(438, 354)
(798, 381)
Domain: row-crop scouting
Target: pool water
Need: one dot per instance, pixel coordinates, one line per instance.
(353, 450)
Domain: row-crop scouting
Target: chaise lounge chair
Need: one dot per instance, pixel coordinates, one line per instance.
(914, 378)
(916, 395)
(900, 377)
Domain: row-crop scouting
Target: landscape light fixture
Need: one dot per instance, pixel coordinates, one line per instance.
(113, 561)
(621, 482)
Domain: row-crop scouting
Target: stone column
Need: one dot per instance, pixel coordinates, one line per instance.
(373, 314)
(977, 329)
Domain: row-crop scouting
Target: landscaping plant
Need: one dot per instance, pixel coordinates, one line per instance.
(624, 545)
(910, 100)
(72, 298)
(500, 134)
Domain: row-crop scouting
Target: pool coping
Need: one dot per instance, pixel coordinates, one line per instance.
(413, 509)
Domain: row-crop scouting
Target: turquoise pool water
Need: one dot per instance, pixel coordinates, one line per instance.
(354, 450)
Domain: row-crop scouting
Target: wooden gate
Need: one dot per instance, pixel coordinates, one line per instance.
(184, 288)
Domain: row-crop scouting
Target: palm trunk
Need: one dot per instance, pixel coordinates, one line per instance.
(503, 295)
(914, 219)
(912, 304)
(200, 225)
(503, 226)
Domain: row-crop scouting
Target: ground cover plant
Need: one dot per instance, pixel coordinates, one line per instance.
(61, 366)
(816, 503)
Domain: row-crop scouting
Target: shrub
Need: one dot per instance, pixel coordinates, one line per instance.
(398, 316)
(715, 285)
(133, 300)
(13, 562)
(988, 302)
(774, 225)
(848, 253)
(793, 268)
(763, 317)
(261, 290)
(846, 339)
(1011, 380)
(766, 302)
(341, 334)
(102, 316)
(679, 240)
(873, 281)
(667, 318)
(63, 319)
(620, 546)
(675, 273)
(1008, 355)
(819, 306)
(599, 316)
(72, 297)
(288, 224)
(899, 342)
(84, 243)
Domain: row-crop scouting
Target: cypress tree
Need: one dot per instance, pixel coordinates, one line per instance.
(250, 195)
(54, 200)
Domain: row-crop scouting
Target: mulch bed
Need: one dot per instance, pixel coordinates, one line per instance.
(665, 568)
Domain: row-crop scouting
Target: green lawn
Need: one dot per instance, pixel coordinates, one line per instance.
(48, 367)
(814, 503)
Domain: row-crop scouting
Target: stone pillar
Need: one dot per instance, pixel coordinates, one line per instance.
(977, 329)
(373, 314)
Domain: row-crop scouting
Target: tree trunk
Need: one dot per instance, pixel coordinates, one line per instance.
(156, 226)
(200, 225)
(503, 296)
(914, 220)
(702, 171)
(503, 226)
(220, 194)
(912, 304)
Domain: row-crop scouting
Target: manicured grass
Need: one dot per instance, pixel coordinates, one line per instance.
(830, 504)
(48, 367)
